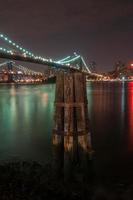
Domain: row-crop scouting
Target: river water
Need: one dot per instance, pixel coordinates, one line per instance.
(26, 120)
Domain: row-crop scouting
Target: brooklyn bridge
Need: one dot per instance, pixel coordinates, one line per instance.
(12, 72)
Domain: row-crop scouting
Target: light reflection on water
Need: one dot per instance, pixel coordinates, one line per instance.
(26, 121)
(26, 117)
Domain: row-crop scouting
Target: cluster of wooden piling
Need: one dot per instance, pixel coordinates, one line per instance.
(71, 132)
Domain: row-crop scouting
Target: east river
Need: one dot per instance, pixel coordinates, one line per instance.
(26, 120)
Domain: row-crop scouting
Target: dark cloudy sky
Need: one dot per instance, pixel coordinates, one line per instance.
(100, 30)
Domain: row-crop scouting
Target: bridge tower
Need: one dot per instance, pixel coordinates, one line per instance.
(10, 69)
(71, 132)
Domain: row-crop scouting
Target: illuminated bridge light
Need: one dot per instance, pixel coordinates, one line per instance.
(85, 64)
(14, 44)
(73, 59)
(66, 58)
(67, 61)
(75, 54)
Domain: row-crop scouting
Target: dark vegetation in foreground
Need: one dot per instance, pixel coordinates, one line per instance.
(30, 180)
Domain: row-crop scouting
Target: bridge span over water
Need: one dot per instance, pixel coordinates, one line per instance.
(13, 51)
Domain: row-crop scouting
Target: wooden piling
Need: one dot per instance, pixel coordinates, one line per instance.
(71, 132)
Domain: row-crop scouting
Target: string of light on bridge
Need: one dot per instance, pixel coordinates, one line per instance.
(30, 54)
(16, 45)
(66, 58)
(73, 59)
(68, 61)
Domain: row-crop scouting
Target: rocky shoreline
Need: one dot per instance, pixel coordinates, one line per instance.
(31, 180)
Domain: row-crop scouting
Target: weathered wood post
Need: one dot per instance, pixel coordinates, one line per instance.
(71, 132)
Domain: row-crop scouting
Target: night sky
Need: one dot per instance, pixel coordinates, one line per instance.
(100, 30)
